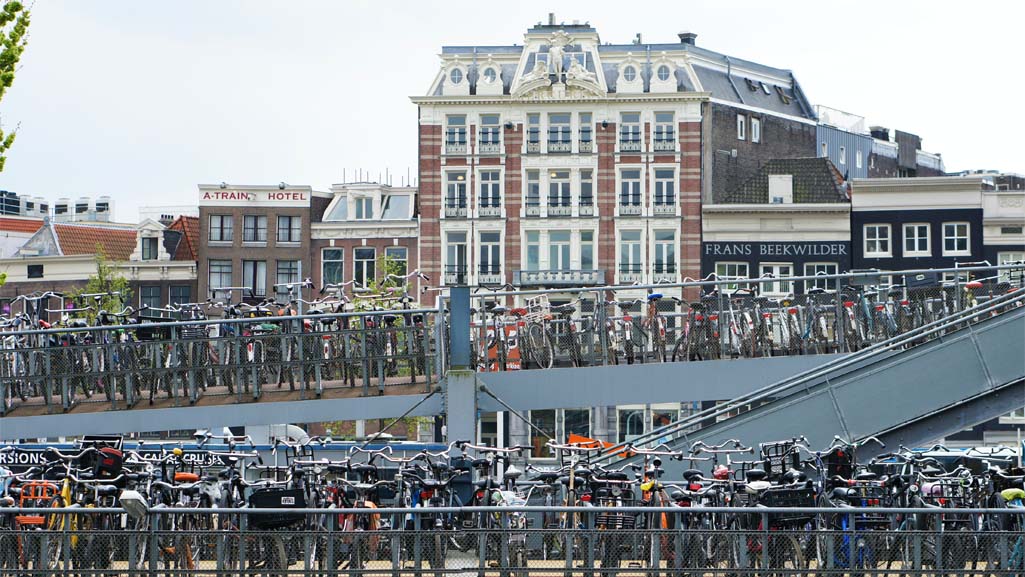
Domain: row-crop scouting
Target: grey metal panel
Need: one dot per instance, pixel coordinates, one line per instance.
(648, 383)
(907, 149)
(1004, 353)
(226, 415)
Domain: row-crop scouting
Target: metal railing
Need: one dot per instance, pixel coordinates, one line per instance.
(180, 362)
(628, 541)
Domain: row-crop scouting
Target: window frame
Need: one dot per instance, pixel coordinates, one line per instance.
(256, 219)
(360, 265)
(889, 240)
(225, 227)
(778, 288)
(404, 259)
(587, 248)
(492, 249)
(928, 239)
(659, 195)
(257, 278)
(825, 282)
(294, 230)
(226, 267)
(741, 265)
(663, 252)
(858, 159)
(1010, 275)
(143, 297)
(363, 208)
(150, 247)
(630, 132)
(490, 188)
(663, 130)
(324, 261)
(756, 129)
(179, 301)
(630, 251)
(637, 193)
(561, 250)
(967, 238)
(455, 189)
(490, 132)
(741, 127)
(532, 243)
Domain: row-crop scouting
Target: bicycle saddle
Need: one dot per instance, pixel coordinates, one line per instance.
(78, 324)
(691, 474)
(843, 493)
(107, 490)
(816, 291)
(677, 495)
(488, 483)
(547, 477)
(754, 487)
(794, 476)
(755, 475)
(932, 471)
(434, 484)
(866, 476)
(499, 310)
(612, 476)
(654, 297)
(364, 469)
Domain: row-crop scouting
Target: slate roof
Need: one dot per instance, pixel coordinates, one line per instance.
(117, 243)
(187, 246)
(815, 180)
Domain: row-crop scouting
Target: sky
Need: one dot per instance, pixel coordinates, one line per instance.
(142, 101)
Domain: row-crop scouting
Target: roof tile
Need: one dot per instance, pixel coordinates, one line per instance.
(20, 224)
(187, 247)
(116, 243)
(815, 180)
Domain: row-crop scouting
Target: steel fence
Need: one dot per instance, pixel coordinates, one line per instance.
(178, 363)
(513, 541)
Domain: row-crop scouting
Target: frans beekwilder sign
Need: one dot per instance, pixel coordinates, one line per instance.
(836, 250)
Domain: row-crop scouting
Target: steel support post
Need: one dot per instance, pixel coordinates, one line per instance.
(460, 382)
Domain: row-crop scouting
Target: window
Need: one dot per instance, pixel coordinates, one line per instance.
(731, 271)
(576, 422)
(558, 250)
(776, 270)
(533, 188)
(741, 127)
(586, 188)
(630, 251)
(665, 252)
(629, 73)
(149, 248)
(290, 229)
(586, 129)
(665, 189)
(877, 240)
(825, 150)
(331, 261)
(663, 73)
(955, 238)
(149, 296)
(397, 258)
(630, 188)
(559, 132)
(180, 294)
(843, 155)
(916, 240)
(630, 131)
(820, 268)
(587, 250)
(220, 228)
(395, 207)
(490, 253)
(490, 181)
(219, 277)
(455, 262)
(456, 75)
(857, 158)
(455, 191)
(34, 271)
(533, 130)
(490, 130)
(533, 250)
(364, 208)
(287, 273)
(339, 211)
(490, 75)
(364, 266)
(455, 132)
(663, 415)
(545, 421)
(254, 228)
(558, 188)
(1013, 275)
(254, 276)
(630, 421)
(665, 133)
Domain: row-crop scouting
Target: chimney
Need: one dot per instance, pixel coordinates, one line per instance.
(688, 38)
(880, 132)
(551, 18)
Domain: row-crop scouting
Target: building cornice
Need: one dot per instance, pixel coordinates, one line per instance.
(611, 98)
(838, 208)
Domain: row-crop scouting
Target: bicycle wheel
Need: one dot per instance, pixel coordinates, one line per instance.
(541, 347)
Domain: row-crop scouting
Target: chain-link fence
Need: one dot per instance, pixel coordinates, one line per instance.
(179, 363)
(528, 541)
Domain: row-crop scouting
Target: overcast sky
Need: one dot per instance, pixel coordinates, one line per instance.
(142, 101)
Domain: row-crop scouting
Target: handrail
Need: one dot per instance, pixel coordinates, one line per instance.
(774, 389)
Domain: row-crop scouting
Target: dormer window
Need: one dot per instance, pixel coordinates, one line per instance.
(149, 248)
(395, 207)
(663, 73)
(364, 208)
(629, 73)
(456, 76)
(490, 75)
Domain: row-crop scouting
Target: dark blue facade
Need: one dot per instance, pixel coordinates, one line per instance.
(755, 253)
(897, 219)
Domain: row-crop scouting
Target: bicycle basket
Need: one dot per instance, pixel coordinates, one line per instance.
(839, 462)
(148, 332)
(789, 497)
(780, 457)
(276, 499)
(538, 308)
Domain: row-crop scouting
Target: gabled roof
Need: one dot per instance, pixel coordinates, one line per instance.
(815, 180)
(187, 248)
(117, 243)
(24, 225)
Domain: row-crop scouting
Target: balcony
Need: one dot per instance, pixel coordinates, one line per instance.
(586, 146)
(560, 146)
(533, 208)
(559, 207)
(489, 275)
(665, 145)
(629, 273)
(489, 211)
(664, 273)
(489, 148)
(456, 275)
(455, 208)
(567, 278)
(455, 148)
(533, 147)
(631, 209)
(586, 206)
(666, 208)
(630, 145)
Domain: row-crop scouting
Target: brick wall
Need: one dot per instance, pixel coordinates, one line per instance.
(429, 200)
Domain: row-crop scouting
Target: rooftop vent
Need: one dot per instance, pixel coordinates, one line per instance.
(688, 38)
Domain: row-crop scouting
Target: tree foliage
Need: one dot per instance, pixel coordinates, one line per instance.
(108, 279)
(14, 21)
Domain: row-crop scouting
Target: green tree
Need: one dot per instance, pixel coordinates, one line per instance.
(108, 279)
(14, 21)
